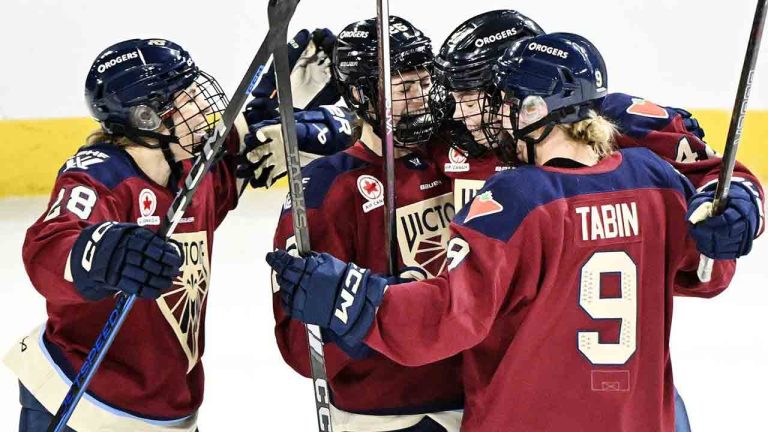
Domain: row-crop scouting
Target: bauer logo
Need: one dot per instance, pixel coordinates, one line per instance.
(354, 34)
(372, 190)
(182, 305)
(458, 161)
(147, 207)
(422, 234)
(533, 46)
(117, 60)
(500, 36)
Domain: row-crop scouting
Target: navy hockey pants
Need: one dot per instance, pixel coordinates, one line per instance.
(34, 417)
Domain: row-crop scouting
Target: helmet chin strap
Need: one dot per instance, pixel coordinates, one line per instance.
(163, 143)
(549, 122)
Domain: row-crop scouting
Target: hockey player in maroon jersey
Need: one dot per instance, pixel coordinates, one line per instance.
(96, 238)
(561, 275)
(344, 198)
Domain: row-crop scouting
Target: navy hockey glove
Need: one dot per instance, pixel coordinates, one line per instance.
(361, 351)
(690, 123)
(309, 57)
(126, 257)
(321, 132)
(728, 235)
(323, 290)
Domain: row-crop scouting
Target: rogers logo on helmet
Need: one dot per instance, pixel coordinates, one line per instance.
(500, 36)
(533, 46)
(354, 34)
(117, 60)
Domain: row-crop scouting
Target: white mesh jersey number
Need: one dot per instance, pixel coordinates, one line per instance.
(80, 203)
(623, 308)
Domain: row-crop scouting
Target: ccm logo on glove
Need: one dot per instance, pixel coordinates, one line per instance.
(348, 292)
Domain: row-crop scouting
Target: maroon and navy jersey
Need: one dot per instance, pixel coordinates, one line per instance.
(641, 123)
(558, 290)
(153, 369)
(344, 197)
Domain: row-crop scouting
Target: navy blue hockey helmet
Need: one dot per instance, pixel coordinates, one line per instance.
(548, 80)
(356, 71)
(464, 68)
(151, 88)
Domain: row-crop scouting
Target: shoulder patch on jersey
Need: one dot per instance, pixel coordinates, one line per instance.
(84, 159)
(105, 163)
(372, 190)
(646, 108)
(483, 205)
(457, 161)
(636, 117)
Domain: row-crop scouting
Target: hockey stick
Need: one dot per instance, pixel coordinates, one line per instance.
(734, 130)
(282, 11)
(387, 136)
(299, 210)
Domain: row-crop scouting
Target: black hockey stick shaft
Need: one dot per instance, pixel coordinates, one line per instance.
(738, 115)
(387, 135)
(204, 161)
(300, 225)
(740, 108)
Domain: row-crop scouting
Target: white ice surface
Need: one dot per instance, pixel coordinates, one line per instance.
(719, 346)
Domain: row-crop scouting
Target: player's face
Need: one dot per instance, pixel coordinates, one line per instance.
(410, 93)
(197, 110)
(472, 109)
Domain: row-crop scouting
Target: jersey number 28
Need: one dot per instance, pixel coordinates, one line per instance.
(80, 203)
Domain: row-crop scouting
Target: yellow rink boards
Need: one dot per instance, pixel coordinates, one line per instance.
(32, 151)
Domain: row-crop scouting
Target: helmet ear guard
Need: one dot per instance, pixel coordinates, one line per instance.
(143, 117)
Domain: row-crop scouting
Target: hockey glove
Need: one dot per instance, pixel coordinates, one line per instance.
(690, 122)
(309, 57)
(321, 132)
(126, 257)
(332, 294)
(728, 235)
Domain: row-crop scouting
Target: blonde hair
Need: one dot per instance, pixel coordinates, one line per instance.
(595, 131)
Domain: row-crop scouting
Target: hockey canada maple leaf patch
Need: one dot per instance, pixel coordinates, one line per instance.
(483, 205)
(646, 108)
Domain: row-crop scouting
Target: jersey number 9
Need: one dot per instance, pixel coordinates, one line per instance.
(622, 308)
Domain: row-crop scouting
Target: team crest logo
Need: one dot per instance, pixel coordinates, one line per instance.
(147, 207)
(458, 161)
(645, 108)
(483, 205)
(372, 190)
(422, 235)
(182, 305)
